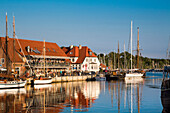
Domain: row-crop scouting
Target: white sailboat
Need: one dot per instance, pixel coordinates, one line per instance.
(12, 84)
(6, 80)
(131, 73)
(43, 80)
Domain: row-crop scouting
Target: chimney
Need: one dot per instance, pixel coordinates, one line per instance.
(80, 47)
(28, 49)
(71, 47)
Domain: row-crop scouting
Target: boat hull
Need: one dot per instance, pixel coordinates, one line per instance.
(12, 84)
(48, 81)
(165, 99)
(134, 75)
(100, 78)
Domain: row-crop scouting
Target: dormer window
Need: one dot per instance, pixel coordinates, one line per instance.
(49, 50)
(36, 51)
(54, 50)
(90, 53)
(71, 53)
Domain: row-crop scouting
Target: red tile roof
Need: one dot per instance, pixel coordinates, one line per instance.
(52, 49)
(80, 53)
(103, 66)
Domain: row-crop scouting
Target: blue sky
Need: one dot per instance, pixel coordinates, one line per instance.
(98, 24)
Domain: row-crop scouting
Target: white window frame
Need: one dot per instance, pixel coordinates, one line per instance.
(2, 59)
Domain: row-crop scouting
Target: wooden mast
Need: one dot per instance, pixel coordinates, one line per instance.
(114, 60)
(14, 41)
(124, 57)
(138, 50)
(6, 42)
(118, 55)
(44, 57)
(131, 46)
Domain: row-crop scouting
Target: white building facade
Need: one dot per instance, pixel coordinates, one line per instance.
(82, 59)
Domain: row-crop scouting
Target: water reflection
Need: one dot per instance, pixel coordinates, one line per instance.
(115, 96)
(127, 93)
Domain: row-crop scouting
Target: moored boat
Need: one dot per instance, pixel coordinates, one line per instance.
(7, 80)
(43, 81)
(100, 77)
(134, 72)
(165, 90)
(12, 84)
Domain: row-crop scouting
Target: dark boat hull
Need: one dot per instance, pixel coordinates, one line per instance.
(165, 99)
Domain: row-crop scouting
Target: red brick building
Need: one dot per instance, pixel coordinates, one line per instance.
(29, 54)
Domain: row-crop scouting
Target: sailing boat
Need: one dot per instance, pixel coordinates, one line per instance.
(6, 80)
(42, 80)
(133, 74)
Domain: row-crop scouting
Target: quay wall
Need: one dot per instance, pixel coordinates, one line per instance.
(70, 78)
(66, 78)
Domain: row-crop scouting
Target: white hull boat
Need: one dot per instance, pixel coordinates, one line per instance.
(134, 75)
(44, 81)
(100, 78)
(12, 84)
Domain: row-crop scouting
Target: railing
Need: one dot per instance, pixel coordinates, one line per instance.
(49, 65)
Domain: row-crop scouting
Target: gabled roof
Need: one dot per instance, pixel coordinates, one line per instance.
(52, 49)
(80, 53)
(102, 65)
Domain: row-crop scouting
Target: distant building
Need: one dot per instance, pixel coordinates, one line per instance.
(82, 58)
(29, 54)
(103, 67)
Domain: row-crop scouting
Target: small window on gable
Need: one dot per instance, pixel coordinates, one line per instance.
(90, 53)
(71, 53)
(73, 59)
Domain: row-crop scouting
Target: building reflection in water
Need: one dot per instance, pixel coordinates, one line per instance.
(53, 98)
(72, 97)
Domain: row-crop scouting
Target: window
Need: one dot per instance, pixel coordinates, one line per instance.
(49, 50)
(2, 60)
(90, 60)
(54, 50)
(36, 51)
(90, 53)
(94, 60)
(71, 53)
(73, 60)
(86, 60)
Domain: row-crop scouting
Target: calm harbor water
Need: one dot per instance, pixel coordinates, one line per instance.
(141, 95)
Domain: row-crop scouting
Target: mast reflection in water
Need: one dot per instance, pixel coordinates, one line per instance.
(131, 95)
